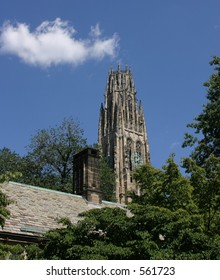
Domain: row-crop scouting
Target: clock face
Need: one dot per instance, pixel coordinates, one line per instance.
(136, 159)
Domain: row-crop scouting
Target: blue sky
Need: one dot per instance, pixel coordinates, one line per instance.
(55, 56)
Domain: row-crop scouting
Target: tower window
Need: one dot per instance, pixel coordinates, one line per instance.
(130, 104)
(129, 150)
(138, 148)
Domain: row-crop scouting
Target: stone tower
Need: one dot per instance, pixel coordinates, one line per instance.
(122, 131)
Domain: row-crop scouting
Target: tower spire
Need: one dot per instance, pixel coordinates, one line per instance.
(119, 68)
(122, 131)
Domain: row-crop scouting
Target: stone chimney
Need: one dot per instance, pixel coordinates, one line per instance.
(86, 175)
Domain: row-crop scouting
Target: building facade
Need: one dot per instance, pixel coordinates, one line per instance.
(122, 132)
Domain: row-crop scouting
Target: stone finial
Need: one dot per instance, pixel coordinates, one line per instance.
(110, 70)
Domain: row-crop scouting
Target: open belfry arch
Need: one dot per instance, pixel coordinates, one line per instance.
(122, 132)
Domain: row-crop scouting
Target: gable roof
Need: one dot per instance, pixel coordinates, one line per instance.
(35, 210)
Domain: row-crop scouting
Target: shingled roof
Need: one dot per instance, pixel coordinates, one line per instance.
(35, 210)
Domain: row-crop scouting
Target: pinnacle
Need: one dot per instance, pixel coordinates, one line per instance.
(127, 69)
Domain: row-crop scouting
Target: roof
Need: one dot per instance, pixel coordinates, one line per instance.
(35, 210)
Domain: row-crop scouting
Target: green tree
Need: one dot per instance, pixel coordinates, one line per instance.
(204, 162)
(102, 234)
(206, 183)
(166, 210)
(15, 167)
(32, 172)
(107, 181)
(207, 124)
(158, 224)
(107, 176)
(12, 252)
(164, 188)
(5, 175)
(9, 166)
(9, 161)
(53, 149)
(4, 213)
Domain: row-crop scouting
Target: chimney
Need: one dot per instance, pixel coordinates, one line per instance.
(86, 175)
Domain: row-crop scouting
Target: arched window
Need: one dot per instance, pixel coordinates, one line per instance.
(137, 156)
(130, 109)
(129, 149)
(138, 148)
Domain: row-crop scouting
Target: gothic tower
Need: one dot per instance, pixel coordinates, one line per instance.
(122, 131)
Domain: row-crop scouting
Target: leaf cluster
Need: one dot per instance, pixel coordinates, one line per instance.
(165, 222)
(107, 180)
(49, 162)
(207, 124)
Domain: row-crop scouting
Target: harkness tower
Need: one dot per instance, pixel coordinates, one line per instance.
(122, 132)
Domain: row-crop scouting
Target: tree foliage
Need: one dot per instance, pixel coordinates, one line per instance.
(107, 181)
(206, 184)
(4, 213)
(107, 176)
(52, 151)
(16, 167)
(204, 163)
(207, 124)
(164, 188)
(12, 252)
(97, 236)
(49, 159)
(9, 161)
(164, 222)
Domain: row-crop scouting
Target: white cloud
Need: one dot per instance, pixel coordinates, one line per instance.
(95, 31)
(55, 43)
